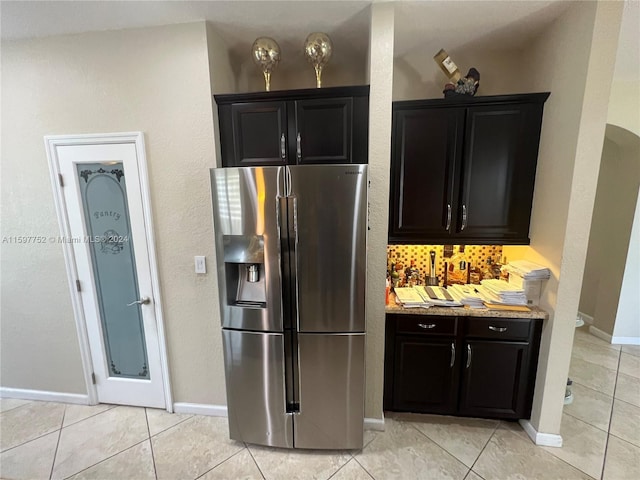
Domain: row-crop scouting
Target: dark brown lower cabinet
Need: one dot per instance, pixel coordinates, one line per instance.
(425, 374)
(494, 379)
(482, 367)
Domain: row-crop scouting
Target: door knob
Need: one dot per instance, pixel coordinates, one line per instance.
(142, 301)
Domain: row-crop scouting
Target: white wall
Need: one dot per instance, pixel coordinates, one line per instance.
(381, 84)
(627, 325)
(156, 80)
(573, 59)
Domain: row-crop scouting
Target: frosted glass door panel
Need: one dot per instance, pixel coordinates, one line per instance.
(104, 203)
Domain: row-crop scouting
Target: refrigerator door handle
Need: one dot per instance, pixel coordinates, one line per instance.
(288, 181)
(293, 236)
(278, 192)
(287, 226)
(292, 208)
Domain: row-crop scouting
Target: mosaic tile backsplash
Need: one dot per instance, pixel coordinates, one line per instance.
(477, 255)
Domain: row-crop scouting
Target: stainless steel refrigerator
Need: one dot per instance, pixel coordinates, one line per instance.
(291, 253)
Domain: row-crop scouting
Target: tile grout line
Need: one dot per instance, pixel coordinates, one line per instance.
(254, 460)
(172, 426)
(606, 444)
(591, 388)
(14, 408)
(29, 441)
(594, 363)
(483, 449)
(220, 463)
(629, 353)
(364, 468)
(587, 423)
(105, 459)
(55, 454)
(624, 440)
(153, 457)
(345, 464)
(564, 461)
(440, 446)
(632, 375)
(552, 449)
(625, 402)
(39, 436)
(584, 421)
(609, 346)
(90, 416)
(473, 472)
(361, 451)
(550, 452)
(111, 456)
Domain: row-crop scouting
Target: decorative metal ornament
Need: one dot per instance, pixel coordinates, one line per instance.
(265, 52)
(318, 49)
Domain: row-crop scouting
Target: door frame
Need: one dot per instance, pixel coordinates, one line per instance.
(137, 139)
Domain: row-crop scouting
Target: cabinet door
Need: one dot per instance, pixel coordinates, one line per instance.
(494, 379)
(425, 145)
(258, 135)
(322, 131)
(424, 377)
(499, 167)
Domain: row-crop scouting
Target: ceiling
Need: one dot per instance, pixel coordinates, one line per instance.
(289, 22)
(452, 24)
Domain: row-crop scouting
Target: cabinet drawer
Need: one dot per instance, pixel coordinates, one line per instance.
(499, 328)
(426, 324)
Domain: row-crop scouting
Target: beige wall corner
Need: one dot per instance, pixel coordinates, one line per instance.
(625, 90)
(574, 60)
(381, 82)
(222, 80)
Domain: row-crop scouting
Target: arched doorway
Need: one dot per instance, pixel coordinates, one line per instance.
(611, 269)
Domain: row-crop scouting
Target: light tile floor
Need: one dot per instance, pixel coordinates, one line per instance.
(601, 432)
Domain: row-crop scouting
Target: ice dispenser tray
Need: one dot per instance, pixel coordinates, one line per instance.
(244, 270)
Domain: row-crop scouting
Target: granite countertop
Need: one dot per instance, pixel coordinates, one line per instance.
(534, 312)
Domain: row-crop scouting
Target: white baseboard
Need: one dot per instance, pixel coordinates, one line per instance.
(542, 439)
(588, 319)
(43, 395)
(625, 340)
(374, 424)
(200, 409)
(596, 332)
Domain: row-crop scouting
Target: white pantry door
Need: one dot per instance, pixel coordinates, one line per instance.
(106, 234)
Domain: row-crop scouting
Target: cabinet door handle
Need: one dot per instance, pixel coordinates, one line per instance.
(453, 354)
(468, 355)
(283, 151)
(497, 329)
(464, 217)
(298, 149)
(448, 216)
(425, 326)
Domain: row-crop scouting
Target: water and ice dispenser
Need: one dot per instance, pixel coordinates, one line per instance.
(244, 270)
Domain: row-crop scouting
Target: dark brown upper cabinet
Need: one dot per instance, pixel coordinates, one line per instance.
(289, 127)
(463, 170)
